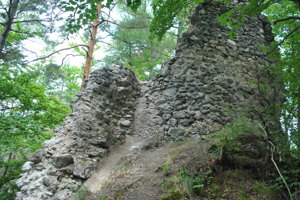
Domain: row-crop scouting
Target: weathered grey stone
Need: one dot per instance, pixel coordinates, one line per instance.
(83, 168)
(167, 116)
(165, 106)
(27, 166)
(172, 122)
(99, 142)
(184, 122)
(179, 115)
(175, 132)
(62, 160)
(195, 38)
(38, 156)
(170, 92)
(146, 144)
(64, 194)
(65, 170)
(97, 152)
(231, 42)
(154, 96)
(144, 88)
(125, 123)
(51, 182)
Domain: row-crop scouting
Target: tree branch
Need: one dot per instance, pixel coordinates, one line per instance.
(33, 52)
(286, 19)
(126, 27)
(118, 38)
(32, 20)
(13, 7)
(24, 32)
(282, 41)
(63, 60)
(55, 52)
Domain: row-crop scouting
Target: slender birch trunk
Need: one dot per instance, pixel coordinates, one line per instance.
(89, 56)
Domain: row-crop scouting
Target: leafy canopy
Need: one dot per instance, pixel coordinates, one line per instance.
(83, 12)
(132, 46)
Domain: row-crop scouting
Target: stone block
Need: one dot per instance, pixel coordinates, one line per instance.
(60, 161)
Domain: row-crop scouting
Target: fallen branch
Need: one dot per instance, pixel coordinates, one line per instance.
(55, 52)
(275, 164)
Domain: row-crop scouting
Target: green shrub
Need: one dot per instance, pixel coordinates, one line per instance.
(175, 194)
(166, 169)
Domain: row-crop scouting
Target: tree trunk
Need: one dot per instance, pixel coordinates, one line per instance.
(13, 6)
(89, 56)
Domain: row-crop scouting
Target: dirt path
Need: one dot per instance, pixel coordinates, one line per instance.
(111, 163)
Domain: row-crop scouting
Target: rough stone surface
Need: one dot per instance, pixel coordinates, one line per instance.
(211, 81)
(60, 161)
(68, 159)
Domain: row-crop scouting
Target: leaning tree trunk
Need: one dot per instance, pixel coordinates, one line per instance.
(13, 6)
(89, 56)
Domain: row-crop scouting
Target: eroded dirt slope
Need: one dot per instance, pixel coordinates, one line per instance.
(142, 169)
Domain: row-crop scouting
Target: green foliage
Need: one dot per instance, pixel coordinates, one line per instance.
(83, 12)
(165, 13)
(227, 137)
(60, 81)
(26, 114)
(291, 173)
(21, 95)
(28, 105)
(134, 4)
(187, 183)
(194, 184)
(235, 18)
(288, 66)
(227, 143)
(264, 189)
(81, 194)
(103, 197)
(166, 169)
(133, 47)
(237, 184)
(175, 194)
(32, 20)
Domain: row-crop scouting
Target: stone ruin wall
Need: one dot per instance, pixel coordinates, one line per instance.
(102, 116)
(211, 81)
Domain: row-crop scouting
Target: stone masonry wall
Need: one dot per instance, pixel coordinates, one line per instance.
(102, 116)
(211, 81)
